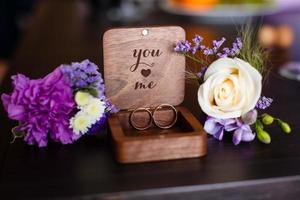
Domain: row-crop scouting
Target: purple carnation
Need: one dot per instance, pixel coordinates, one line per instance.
(43, 108)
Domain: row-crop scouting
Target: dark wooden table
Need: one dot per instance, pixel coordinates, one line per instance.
(61, 32)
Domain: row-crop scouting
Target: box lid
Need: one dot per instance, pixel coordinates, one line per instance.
(141, 68)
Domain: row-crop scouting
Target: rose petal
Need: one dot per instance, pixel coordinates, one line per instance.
(245, 89)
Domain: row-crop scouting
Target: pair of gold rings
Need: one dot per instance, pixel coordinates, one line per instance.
(153, 118)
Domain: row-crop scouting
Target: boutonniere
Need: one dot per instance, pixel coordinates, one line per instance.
(230, 90)
(63, 106)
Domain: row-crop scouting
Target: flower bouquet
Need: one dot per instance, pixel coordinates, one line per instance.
(63, 106)
(230, 89)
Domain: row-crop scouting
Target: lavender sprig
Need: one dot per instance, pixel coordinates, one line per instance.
(263, 103)
(183, 47)
(236, 47)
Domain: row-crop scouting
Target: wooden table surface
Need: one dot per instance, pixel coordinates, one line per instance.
(62, 32)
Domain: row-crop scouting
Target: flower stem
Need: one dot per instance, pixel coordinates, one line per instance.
(196, 59)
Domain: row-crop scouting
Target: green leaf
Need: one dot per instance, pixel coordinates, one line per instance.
(92, 91)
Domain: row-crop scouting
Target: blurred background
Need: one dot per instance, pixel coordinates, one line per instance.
(38, 35)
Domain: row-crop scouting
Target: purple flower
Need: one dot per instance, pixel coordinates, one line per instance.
(216, 127)
(197, 40)
(202, 72)
(183, 47)
(239, 43)
(217, 44)
(84, 75)
(242, 132)
(194, 50)
(208, 51)
(226, 53)
(236, 47)
(100, 123)
(202, 47)
(263, 103)
(43, 108)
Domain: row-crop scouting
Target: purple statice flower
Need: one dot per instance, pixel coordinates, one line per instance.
(112, 108)
(217, 44)
(43, 108)
(99, 124)
(183, 47)
(263, 103)
(84, 75)
(216, 127)
(242, 132)
(197, 40)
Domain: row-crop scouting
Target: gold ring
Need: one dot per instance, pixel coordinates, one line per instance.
(135, 125)
(169, 125)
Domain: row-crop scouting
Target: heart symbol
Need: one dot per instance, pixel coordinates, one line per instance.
(145, 72)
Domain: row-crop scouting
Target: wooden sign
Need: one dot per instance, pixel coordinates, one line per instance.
(141, 68)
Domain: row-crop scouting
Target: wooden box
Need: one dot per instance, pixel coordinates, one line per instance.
(142, 70)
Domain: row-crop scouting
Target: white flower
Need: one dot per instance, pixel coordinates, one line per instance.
(231, 88)
(95, 109)
(81, 123)
(82, 98)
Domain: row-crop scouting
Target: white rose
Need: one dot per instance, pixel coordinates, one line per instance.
(231, 88)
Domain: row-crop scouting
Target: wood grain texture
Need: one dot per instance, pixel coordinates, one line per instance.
(143, 70)
(186, 139)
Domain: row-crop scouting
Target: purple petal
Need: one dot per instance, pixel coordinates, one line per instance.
(237, 136)
(230, 124)
(5, 100)
(243, 134)
(16, 112)
(219, 133)
(212, 127)
(248, 135)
